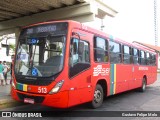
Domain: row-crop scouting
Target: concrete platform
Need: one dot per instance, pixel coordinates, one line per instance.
(5, 94)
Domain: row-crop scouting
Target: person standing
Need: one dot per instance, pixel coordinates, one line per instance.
(1, 73)
(5, 71)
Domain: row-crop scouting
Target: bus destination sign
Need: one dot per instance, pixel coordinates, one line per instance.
(45, 28)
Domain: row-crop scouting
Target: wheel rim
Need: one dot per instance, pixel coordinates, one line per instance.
(97, 96)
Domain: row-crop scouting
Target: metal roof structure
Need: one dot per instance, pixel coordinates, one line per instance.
(156, 48)
(10, 9)
(17, 13)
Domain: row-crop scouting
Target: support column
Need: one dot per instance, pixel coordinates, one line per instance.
(17, 33)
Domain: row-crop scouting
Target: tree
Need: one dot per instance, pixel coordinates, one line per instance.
(12, 47)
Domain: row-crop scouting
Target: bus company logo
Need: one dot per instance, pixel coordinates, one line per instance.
(100, 71)
(143, 68)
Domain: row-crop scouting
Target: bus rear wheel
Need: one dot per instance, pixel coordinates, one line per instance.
(143, 87)
(98, 97)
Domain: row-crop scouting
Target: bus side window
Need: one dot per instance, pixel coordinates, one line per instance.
(79, 56)
(115, 52)
(127, 57)
(139, 59)
(142, 58)
(100, 50)
(148, 58)
(74, 51)
(135, 56)
(153, 59)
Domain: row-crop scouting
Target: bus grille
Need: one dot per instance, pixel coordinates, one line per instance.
(37, 99)
(32, 82)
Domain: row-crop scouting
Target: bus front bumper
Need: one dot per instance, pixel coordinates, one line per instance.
(58, 100)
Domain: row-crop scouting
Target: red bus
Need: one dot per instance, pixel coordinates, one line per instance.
(65, 63)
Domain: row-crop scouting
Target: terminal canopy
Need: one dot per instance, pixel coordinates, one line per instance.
(18, 13)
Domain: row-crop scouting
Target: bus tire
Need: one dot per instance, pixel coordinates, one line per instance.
(98, 97)
(143, 87)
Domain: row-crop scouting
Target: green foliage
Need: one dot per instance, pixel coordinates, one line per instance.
(12, 46)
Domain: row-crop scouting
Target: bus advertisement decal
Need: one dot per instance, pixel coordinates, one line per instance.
(143, 68)
(100, 70)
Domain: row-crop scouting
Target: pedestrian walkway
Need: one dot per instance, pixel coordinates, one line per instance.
(5, 96)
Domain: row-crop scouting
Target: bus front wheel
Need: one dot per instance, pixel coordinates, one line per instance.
(98, 97)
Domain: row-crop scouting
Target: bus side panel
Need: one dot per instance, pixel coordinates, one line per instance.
(136, 82)
(153, 75)
(149, 74)
(80, 89)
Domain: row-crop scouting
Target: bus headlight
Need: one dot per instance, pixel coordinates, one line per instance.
(57, 87)
(13, 85)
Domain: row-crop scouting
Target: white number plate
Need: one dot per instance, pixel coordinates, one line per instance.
(28, 100)
(42, 90)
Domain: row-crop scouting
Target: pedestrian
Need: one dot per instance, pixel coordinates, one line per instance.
(5, 71)
(1, 73)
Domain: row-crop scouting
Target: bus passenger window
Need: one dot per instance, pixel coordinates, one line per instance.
(147, 58)
(115, 52)
(142, 58)
(135, 56)
(75, 51)
(79, 52)
(100, 50)
(153, 59)
(127, 55)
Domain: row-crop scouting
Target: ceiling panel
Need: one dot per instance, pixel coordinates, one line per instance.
(10, 9)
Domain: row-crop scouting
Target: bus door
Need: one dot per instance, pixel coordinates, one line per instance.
(80, 68)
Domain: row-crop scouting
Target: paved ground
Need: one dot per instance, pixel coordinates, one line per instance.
(128, 101)
(5, 93)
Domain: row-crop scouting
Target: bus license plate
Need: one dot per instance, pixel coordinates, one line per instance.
(28, 100)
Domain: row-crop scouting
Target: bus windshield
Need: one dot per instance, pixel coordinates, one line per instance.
(40, 56)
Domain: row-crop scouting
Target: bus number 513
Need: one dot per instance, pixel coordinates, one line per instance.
(42, 90)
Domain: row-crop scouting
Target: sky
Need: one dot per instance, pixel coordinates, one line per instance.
(134, 21)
